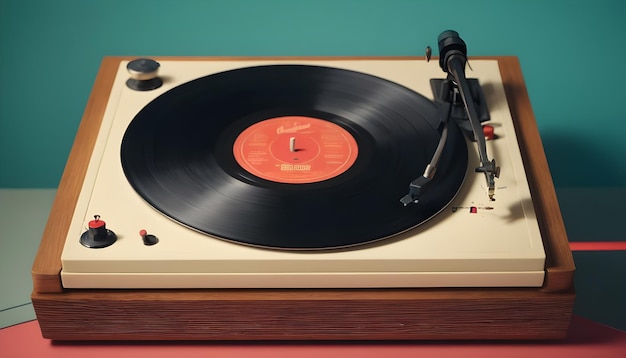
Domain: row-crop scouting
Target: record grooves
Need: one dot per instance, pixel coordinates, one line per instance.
(178, 155)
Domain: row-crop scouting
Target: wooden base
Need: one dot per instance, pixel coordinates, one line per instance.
(297, 314)
(304, 315)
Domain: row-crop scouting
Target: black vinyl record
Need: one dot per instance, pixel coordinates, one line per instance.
(178, 155)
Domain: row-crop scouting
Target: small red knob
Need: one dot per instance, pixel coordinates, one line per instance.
(96, 222)
(488, 132)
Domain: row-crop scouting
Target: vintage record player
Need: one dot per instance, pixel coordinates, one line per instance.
(306, 198)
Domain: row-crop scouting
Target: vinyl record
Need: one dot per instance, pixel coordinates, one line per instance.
(291, 156)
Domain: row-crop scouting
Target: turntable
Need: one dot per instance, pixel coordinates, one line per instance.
(305, 198)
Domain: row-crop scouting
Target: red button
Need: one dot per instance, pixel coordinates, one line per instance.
(488, 132)
(95, 224)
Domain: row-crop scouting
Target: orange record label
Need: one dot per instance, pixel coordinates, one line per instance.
(295, 149)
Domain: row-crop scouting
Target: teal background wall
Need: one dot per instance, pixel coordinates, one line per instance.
(572, 55)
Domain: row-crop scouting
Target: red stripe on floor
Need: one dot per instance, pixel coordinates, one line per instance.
(598, 246)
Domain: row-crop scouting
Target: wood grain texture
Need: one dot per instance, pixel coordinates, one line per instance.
(306, 315)
(296, 314)
(559, 261)
(47, 265)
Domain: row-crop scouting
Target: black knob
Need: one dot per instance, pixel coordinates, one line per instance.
(97, 236)
(148, 239)
(143, 74)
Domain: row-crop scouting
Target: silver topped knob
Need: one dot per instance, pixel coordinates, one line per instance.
(143, 74)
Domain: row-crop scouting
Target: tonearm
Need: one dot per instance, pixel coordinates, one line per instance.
(452, 60)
